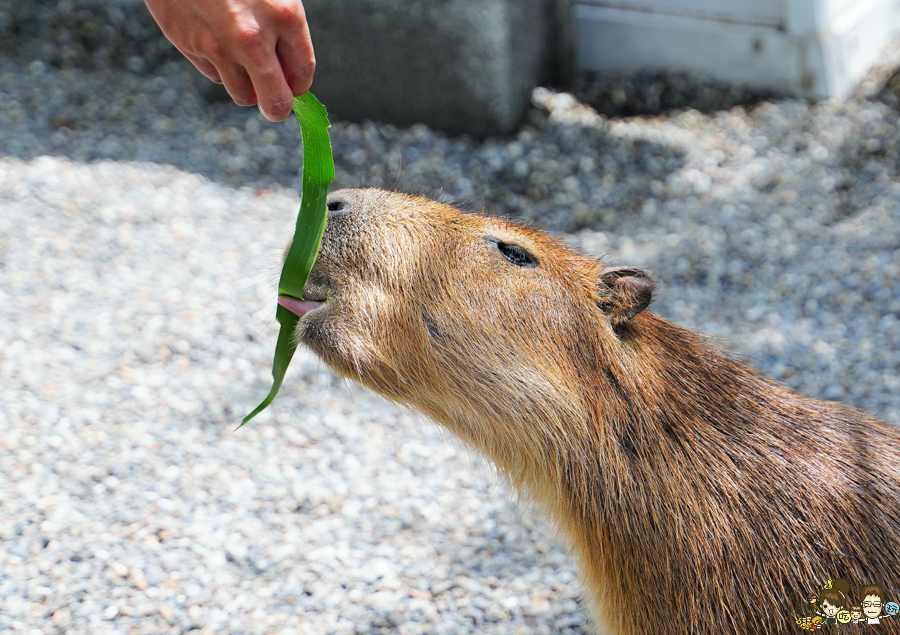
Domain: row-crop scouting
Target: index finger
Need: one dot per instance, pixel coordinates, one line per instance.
(298, 61)
(272, 91)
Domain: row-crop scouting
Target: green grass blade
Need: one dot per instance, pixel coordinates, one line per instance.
(318, 173)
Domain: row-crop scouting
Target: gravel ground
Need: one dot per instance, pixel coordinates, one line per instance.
(141, 224)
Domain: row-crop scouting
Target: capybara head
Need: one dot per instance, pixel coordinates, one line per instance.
(462, 315)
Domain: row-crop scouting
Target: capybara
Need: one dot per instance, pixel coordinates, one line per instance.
(697, 496)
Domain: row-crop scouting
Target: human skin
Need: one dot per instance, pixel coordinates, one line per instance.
(260, 50)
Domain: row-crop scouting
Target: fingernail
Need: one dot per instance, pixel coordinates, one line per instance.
(276, 118)
(267, 115)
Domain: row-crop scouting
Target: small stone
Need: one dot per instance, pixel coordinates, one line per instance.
(136, 64)
(138, 579)
(61, 617)
(236, 551)
(117, 569)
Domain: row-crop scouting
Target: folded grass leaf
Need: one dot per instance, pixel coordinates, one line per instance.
(318, 173)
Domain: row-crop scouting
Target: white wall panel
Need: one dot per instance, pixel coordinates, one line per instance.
(821, 50)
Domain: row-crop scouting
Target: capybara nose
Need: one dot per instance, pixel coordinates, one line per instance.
(338, 206)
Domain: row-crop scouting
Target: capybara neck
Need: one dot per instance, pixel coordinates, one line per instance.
(689, 470)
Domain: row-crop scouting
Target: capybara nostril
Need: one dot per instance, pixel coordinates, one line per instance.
(338, 207)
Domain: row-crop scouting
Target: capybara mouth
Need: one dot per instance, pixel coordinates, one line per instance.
(297, 306)
(314, 296)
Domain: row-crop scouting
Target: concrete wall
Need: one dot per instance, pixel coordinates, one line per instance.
(458, 65)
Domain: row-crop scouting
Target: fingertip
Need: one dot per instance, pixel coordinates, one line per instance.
(277, 113)
(275, 102)
(301, 80)
(272, 118)
(212, 75)
(243, 99)
(207, 68)
(299, 87)
(237, 83)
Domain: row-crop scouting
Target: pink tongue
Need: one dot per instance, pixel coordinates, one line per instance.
(297, 306)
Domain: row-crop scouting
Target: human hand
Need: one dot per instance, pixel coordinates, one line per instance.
(260, 49)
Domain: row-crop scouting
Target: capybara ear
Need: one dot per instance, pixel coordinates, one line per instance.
(626, 291)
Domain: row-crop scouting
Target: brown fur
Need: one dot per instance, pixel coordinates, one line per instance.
(698, 496)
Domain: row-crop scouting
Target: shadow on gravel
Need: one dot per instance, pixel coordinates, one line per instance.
(84, 34)
(91, 81)
(171, 116)
(633, 93)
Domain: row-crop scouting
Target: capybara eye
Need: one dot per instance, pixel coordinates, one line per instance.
(516, 254)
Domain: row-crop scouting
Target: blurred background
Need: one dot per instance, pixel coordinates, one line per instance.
(747, 156)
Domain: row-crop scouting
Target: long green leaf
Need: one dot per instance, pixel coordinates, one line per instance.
(318, 173)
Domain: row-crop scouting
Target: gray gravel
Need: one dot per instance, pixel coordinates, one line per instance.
(141, 225)
(136, 331)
